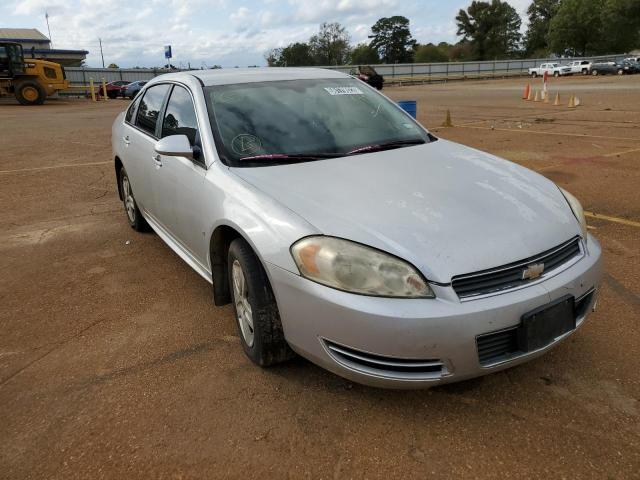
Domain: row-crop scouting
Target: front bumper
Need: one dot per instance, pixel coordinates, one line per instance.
(331, 328)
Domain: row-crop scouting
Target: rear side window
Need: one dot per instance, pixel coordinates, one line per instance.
(180, 117)
(149, 108)
(132, 108)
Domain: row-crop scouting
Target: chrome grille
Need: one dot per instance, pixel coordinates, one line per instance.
(392, 367)
(513, 275)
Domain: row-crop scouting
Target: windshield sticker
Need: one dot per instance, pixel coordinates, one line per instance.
(344, 91)
(246, 144)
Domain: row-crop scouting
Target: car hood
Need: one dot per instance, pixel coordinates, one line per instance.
(446, 208)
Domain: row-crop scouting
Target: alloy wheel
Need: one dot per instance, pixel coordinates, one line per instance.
(241, 300)
(129, 203)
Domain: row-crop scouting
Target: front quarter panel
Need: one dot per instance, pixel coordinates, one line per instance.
(268, 226)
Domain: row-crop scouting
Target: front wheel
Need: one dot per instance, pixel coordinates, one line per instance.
(30, 92)
(594, 73)
(255, 307)
(556, 74)
(534, 74)
(620, 71)
(585, 71)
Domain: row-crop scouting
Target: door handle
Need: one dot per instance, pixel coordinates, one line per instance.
(157, 160)
(126, 140)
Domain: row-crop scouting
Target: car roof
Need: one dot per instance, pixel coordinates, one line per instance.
(251, 75)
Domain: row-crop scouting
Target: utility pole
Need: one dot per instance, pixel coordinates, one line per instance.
(100, 40)
(46, 17)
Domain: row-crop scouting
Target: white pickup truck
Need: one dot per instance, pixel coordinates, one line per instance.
(580, 67)
(554, 69)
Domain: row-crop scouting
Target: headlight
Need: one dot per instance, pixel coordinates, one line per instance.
(355, 268)
(577, 210)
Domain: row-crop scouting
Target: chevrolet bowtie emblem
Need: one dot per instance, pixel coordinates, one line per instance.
(532, 271)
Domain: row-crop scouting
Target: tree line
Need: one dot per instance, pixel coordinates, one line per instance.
(488, 30)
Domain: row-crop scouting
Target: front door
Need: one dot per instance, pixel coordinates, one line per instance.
(180, 183)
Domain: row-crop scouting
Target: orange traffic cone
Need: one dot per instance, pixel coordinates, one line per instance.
(527, 89)
(546, 97)
(536, 98)
(572, 101)
(577, 101)
(557, 102)
(447, 120)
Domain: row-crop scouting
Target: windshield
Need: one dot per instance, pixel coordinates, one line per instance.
(301, 120)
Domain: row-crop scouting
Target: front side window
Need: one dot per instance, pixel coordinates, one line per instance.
(149, 108)
(180, 117)
(321, 118)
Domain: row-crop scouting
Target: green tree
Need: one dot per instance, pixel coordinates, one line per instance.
(624, 16)
(392, 39)
(330, 46)
(429, 53)
(293, 55)
(363, 54)
(577, 28)
(540, 14)
(113, 65)
(492, 28)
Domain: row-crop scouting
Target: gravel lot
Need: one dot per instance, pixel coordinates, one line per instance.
(114, 363)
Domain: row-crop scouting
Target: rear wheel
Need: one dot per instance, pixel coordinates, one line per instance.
(112, 94)
(534, 74)
(585, 71)
(136, 220)
(620, 71)
(594, 73)
(30, 92)
(556, 74)
(255, 307)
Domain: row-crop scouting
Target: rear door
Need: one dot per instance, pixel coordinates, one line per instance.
(180, 182)
(140, 137)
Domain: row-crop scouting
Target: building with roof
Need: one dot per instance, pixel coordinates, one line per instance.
(35, 42)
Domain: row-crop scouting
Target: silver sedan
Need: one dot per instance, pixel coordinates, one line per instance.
(342, 230)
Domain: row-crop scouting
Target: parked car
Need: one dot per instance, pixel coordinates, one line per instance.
(580, 67)
(369, 75)
(341, 229)
(632, 59)
(133, 88)
(606, 68)
(628, 68)
(116, 89)
(554, 69)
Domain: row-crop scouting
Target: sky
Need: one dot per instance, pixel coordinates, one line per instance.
(229, 33)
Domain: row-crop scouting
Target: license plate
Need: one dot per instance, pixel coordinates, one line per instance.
(544, 324)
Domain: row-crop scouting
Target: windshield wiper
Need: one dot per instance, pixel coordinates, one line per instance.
(386, 146)
(291, 156)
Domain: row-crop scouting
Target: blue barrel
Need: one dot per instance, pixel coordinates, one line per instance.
(409, 106)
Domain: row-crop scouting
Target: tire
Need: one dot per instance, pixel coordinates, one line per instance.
(556, 74)
(585, 71)
(135, 218)
(534, 74)
(620, 71)
(255, 308)
(30, 92)
(112, 94)
(594, 73)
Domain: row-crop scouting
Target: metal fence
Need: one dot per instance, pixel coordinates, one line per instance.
(421, 72)
(460, 70)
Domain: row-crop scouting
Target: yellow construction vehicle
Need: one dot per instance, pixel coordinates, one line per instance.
(30, 80)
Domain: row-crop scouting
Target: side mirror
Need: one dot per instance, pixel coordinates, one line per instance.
(175, 146)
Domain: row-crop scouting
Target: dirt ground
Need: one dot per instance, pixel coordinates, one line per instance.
(115, 364)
